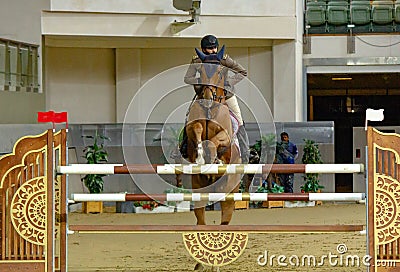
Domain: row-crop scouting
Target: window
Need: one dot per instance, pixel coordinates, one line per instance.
(18, 66)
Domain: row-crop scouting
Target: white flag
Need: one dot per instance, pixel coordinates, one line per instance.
(374, 115)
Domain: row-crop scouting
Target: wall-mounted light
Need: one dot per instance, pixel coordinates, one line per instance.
(193, 6)
(341, 78)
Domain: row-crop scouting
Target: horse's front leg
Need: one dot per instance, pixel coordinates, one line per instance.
(198, 131)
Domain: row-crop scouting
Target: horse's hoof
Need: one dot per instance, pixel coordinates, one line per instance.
(198, 267)
(218, 161)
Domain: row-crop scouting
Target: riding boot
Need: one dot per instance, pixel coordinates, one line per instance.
(243, 144)
(183, 146)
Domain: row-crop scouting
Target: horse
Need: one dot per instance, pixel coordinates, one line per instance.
(211, 137)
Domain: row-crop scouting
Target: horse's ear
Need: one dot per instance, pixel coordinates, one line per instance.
(220, 54)
(201, 55)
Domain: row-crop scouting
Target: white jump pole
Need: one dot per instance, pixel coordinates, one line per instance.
(84, 169)
(121, 197)
(109, 169)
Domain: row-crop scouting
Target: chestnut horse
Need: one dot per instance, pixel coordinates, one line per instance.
(210, 137)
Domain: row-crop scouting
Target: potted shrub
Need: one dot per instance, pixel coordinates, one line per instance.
(261, 152)
(311, 155)
(265, 147)
(275, 189)
(94, 154)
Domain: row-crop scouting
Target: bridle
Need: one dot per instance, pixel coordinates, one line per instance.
(214, 96)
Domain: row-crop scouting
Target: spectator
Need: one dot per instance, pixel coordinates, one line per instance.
(286, 154)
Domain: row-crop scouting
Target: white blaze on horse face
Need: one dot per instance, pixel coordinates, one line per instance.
(200, 154)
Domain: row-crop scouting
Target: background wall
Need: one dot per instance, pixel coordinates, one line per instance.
(82, 82)
(21, 21)
(152, 36)
(96, 85)
(20, 107)
(231, 7)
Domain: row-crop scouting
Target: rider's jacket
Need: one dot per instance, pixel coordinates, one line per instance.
(238, 72)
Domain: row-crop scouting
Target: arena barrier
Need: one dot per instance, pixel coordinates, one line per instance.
(37, 241)
(214, 197)
(33, 221)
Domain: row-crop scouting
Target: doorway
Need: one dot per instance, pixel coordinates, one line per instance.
(345, 102)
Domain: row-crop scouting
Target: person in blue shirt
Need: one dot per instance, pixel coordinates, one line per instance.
(286, 154)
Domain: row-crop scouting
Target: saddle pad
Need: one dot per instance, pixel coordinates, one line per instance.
(235, 123)
(235, 128)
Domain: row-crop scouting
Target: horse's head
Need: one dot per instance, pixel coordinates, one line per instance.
(212, 76)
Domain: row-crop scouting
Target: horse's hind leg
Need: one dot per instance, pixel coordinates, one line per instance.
(228, 207)
(199, 212)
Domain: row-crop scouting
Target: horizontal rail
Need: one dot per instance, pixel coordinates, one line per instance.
(121, 197)
(214, 169)
(215, 228)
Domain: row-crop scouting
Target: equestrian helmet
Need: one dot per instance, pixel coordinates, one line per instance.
(209, 41)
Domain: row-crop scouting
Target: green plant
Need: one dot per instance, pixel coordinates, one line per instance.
(275, 189)
(95, 154)
(265, 147)
(311, 155)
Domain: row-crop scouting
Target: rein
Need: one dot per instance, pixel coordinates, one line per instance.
(215, 97)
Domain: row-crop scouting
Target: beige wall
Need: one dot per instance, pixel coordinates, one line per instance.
(209, 7)
(111, 25)
(82, 82)
(161, 25)
(20, 20)
(365, 46)
(285, 103)
(20, 107)
(147, 43)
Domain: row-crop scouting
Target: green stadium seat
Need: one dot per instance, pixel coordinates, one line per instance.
(396, 15)
(360, 15)
(382, 16)
(337, 16)
(397, 11)
(337, 12)
(315, 17)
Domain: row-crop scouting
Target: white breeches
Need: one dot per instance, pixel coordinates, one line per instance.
(234, 107)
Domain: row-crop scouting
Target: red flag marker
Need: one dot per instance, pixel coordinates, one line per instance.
(53, 117)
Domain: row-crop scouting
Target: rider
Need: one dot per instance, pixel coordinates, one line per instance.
(209, 46)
